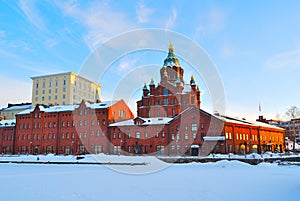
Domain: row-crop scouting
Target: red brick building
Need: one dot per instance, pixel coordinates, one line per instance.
(68, 129)
(170, 122)
(7, 132)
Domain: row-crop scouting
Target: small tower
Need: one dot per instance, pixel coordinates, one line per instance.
(193, 83)
(152, 86)
(145, 90)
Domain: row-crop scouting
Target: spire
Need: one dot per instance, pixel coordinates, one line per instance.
(145, 86)
(197, 88)
(192, 81)
(152, 81)
(171, 47)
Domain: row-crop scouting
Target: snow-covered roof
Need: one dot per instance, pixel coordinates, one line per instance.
(187, 88)
(17, 107)
(214, 138)
(6, 123)
(147, 121)
(247, 122)
(64, 108)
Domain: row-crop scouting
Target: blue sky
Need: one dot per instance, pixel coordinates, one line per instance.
(255, 45)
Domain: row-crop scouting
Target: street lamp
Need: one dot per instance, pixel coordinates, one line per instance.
(120, 147)
(30, 147)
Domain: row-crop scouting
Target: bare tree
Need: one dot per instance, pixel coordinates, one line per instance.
(293, 112)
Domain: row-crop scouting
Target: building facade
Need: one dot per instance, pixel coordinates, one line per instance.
(63, 89)
(292, 131)
(7, 132)
(13, 109)
(68, 129)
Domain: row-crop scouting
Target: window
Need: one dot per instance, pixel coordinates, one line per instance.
(114, 135)
(186, 127)
(194, 127)
(92, 133)
(202, 126)
(63, 124)
(50, 83)
(49, 136)
(56, 83)
(45, 137)
(80, 123)
(44, 84)
(62, 136)
(162, 134)
(37, 85)
(64, 96)
(166, 91)
(73, 136)
(165, 101)
(173, 136)
(230, 137)
(241, 136)
(119, 135)
(65, 81)
(68, 124)
(103, 133)
(146, 135)
(98, 122)
(103, 122)
(137, 135)
(85, 112)
(237, 136)
(194, 136)
(84, 135)
(85, 123)
(49, 97)
(36, 92)
(92, 122)
(156, 134)
(226, 135)
(73, 123)
(186, 136)
(43, 92)
(97, 133)
(178, 137)
(56, 90)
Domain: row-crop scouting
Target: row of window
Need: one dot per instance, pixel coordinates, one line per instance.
(50, 83)
(64, 124)
(8, 138)
(50, 91)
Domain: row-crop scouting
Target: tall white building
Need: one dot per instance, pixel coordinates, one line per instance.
(63, 89)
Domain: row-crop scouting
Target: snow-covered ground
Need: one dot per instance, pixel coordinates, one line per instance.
(222, 180)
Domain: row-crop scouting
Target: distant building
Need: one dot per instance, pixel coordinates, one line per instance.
(7, 131)
(292, 129)
(63, 89)
(13, 109)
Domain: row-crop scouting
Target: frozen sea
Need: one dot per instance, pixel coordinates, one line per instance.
(223, 180)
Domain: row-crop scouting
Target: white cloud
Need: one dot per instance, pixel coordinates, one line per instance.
(126, 64)
(143, 12)
(286, 60)
(210, 22)
(99, 19)
(32, 14)
(171, 20)
(51, 42)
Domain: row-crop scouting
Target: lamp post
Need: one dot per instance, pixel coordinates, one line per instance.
(30, 147)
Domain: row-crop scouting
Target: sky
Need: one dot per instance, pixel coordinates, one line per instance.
(255, 46)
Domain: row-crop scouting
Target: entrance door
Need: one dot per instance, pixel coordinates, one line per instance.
(194, 151)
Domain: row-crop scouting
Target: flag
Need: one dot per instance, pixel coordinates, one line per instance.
(259, 107)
